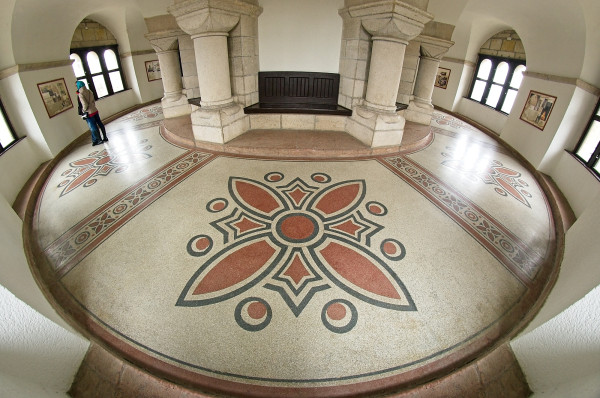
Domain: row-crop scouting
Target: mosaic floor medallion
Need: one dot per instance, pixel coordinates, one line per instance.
(299, 276)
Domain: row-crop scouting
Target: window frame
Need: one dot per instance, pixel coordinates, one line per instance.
(10, 129)
(595, 157)
(496, 61)
(88, 76)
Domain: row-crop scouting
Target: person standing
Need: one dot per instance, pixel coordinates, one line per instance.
(88, 105)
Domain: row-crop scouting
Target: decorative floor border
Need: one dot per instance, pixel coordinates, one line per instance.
(81, 239)
(505, 246)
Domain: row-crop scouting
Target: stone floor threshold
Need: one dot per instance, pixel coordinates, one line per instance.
(496, 375)
(295, 143)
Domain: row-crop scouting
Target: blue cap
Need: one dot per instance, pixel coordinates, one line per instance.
(80, 84)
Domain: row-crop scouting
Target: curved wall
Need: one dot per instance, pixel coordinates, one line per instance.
(300, 35)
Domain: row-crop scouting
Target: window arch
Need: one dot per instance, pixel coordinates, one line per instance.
(497, 81)
(99, 68)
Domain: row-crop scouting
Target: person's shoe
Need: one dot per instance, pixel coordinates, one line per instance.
(96, 143)
(105, 139)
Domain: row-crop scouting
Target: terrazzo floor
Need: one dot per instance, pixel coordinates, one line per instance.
(264, 275)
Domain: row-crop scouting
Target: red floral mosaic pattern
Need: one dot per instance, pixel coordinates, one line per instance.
(141, 114)
(509, 249)
(81, 239)
(297, 240)
(444, 119)
(506, 181)
(85, 172)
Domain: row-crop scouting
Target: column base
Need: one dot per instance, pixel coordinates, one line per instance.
(375, 129)
(175, 106)
(419, 112)
(219, 125)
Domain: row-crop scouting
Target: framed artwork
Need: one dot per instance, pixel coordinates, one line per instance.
(442, 77)
(55, 96)
(537, 109)
(153, 70)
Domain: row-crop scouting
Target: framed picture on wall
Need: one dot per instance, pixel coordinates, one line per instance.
(442, 77)
(153, 70)
(55, 96)
(537, 109)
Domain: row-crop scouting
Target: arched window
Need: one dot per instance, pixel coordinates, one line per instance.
(588, 148)
(7, 133)
(497, 82)
(99, 68)
(114, 72)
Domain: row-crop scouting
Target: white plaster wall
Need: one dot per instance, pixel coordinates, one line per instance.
(39, 358)
(39, 352)
(460, 75)
(24, 154)
(482, 114)
(63, 128)
(15, 387)
(573, 123)
(559, 351)
(6, 51)
(561, 358)
(148, 91)
(577, 183)
(115, 103)
(579, 272)
(300, 35)
(21, 114)
(590, 72)
(14, 270)
(530, 141)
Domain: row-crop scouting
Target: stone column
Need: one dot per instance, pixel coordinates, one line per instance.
(420, 107)
(163, 38)
(384, 74)
(392, 24)
(218, 119)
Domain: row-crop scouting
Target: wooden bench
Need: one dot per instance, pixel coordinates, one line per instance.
(298, 92)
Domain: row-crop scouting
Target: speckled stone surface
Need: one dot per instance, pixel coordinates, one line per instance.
(288, 275)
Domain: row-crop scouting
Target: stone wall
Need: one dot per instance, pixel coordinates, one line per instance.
(505, 44)
(91, 34)
(188, 67)
(355, 54)
(243, 60)
(409, 71)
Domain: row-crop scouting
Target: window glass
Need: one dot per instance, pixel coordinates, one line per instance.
(93, 62)
(111, 60)
(77, 65)
(115, 81)
(100, 85)
(517, 78)
(100, 68)
(509, 100)
(494, 95)
(484, 69)
(478, 90)
(503, 77)
(501, 73)
(6, 136)
(591, 141)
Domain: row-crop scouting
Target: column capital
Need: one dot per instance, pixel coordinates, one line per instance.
(163, 33)
(432, 47)
(391, 18)
(199, 17)
(164, 41)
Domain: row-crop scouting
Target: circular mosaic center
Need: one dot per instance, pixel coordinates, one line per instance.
(297, 227)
